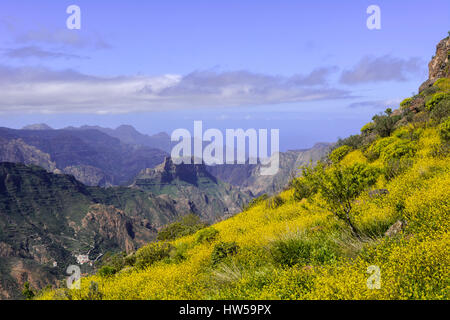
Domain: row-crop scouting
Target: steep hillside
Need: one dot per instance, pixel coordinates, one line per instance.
(47, 218)
(93, 157)
(369, 222)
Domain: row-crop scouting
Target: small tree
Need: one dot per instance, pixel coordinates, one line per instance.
(186, 225)
(304, 187)
(223, 250)
(339, 186)
(151, 253)
(385, 124)
(27, 292)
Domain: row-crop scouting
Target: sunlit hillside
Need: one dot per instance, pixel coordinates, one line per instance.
(390, 184)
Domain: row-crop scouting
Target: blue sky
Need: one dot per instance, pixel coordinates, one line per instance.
(310, 68)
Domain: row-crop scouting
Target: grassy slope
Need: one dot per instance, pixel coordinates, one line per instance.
(414, 264)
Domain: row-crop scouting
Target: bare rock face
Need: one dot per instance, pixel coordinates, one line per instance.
(190, 188)
(168, 171)
(111, 223)
(16, 150)
(395, 228)
(89, 175)
(439, 65)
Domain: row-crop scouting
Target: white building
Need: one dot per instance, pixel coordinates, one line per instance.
(82, 259)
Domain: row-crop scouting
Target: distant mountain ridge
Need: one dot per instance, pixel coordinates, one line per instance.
(133, 149)
(37, 126)
(247, 176)
(128, 134)
(93, 157)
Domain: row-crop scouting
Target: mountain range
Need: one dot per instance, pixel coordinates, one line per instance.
(78, 193)
(91, 156)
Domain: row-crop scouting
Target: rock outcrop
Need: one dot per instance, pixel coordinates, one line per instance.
(395, 229)
(191, 187)
(439, 64)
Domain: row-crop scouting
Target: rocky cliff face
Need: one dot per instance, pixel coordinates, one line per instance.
(439, 64)
(167, 172)
(16, 150)
(192, 186)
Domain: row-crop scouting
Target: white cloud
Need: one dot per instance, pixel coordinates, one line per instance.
(40, 90)
(378, 69)
(37, 52)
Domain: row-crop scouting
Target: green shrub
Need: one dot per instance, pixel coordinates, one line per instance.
(354, 141)
(444, 130)
(107, 271)
(114, 260)
(303, 188)
(436, 99)
(406, 103)
(302, 251)
(398, 149)
(94, 293)
(187, 225)
(429, 91)
(441, 110)
(291, 252)
(207, 235)
(178, 254)
(339, 187)
(385, 124)
(442, 84)
(130, 260)
(274, 202)
(391, 148)
(339, 153)
(152, 253)
(223, 250)
(27, 291)
(367, 128)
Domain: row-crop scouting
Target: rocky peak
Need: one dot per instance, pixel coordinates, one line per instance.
(439, 64)
(127, 129)
(169, 171)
